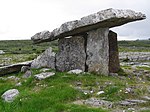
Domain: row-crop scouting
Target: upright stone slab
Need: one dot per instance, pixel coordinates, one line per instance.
(46, 59)
(114, 65)
(71, 54)
(98, 51)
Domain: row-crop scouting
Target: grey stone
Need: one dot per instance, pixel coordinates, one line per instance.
(131, 102)
(98, 51)
(127, 103)
(76, 71)
(146, 98)
(103, 19)
(2, 52)
(25, 68)
(10, 95)
(44, 69)
(100, 92)
(18, 84)
(113, 74)
(114, 64)
(136, 101)
(27, 74)
(13, 68)
(46, 59)
(42, 76)
(11, 77)
(95, 102)
(71, 54)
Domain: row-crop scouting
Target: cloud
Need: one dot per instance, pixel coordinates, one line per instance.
(24, 18)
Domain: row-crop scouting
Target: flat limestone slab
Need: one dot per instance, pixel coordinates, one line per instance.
(13, 68)
(103, 19)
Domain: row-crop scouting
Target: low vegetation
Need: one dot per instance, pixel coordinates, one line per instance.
(134, 46)
(59, 92)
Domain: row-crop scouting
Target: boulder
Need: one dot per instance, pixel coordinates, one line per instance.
(13, 68)
(45, 75)
(114, 64)
(71, 54)
(103, 19)
(98, 51)
(46, 59)
(10, 95)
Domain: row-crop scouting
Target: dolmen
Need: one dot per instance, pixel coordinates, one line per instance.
(86, 44)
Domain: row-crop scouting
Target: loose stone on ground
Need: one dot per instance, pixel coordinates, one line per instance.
(42, 76)
(10, 95)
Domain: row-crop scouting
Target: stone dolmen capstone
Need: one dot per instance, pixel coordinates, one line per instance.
(88, 44)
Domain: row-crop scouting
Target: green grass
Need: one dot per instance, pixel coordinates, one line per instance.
(56, 96)
(25, 46)
(134, 46)
(57, 93)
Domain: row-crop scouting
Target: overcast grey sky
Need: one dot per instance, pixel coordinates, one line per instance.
(21, 19)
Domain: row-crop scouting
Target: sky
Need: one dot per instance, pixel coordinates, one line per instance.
(21, 19)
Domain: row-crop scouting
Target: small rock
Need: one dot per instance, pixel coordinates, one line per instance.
(44, 69)
(129, 90)
(27, 74)
(131, 109)
(78, 83)
(2, 52)
(132, 102)
(78, 102)
(10, 95)
(18, 84)
(100, 92)
(44, 75)
(146, 97)
(24, 69)
(76, 71)
(126, 103)
(11, 77)
(137, 101)
(95, 102)
(113, 74)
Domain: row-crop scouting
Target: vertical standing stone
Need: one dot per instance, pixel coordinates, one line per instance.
(98, 51)
(114, 65)
(71, 54)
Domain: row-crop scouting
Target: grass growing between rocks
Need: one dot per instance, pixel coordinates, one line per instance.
(57, 93)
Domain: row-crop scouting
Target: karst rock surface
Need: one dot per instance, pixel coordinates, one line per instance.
(103, 19)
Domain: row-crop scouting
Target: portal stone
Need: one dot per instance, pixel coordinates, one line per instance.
(114, 65)
(98, 51)
(71, 54)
